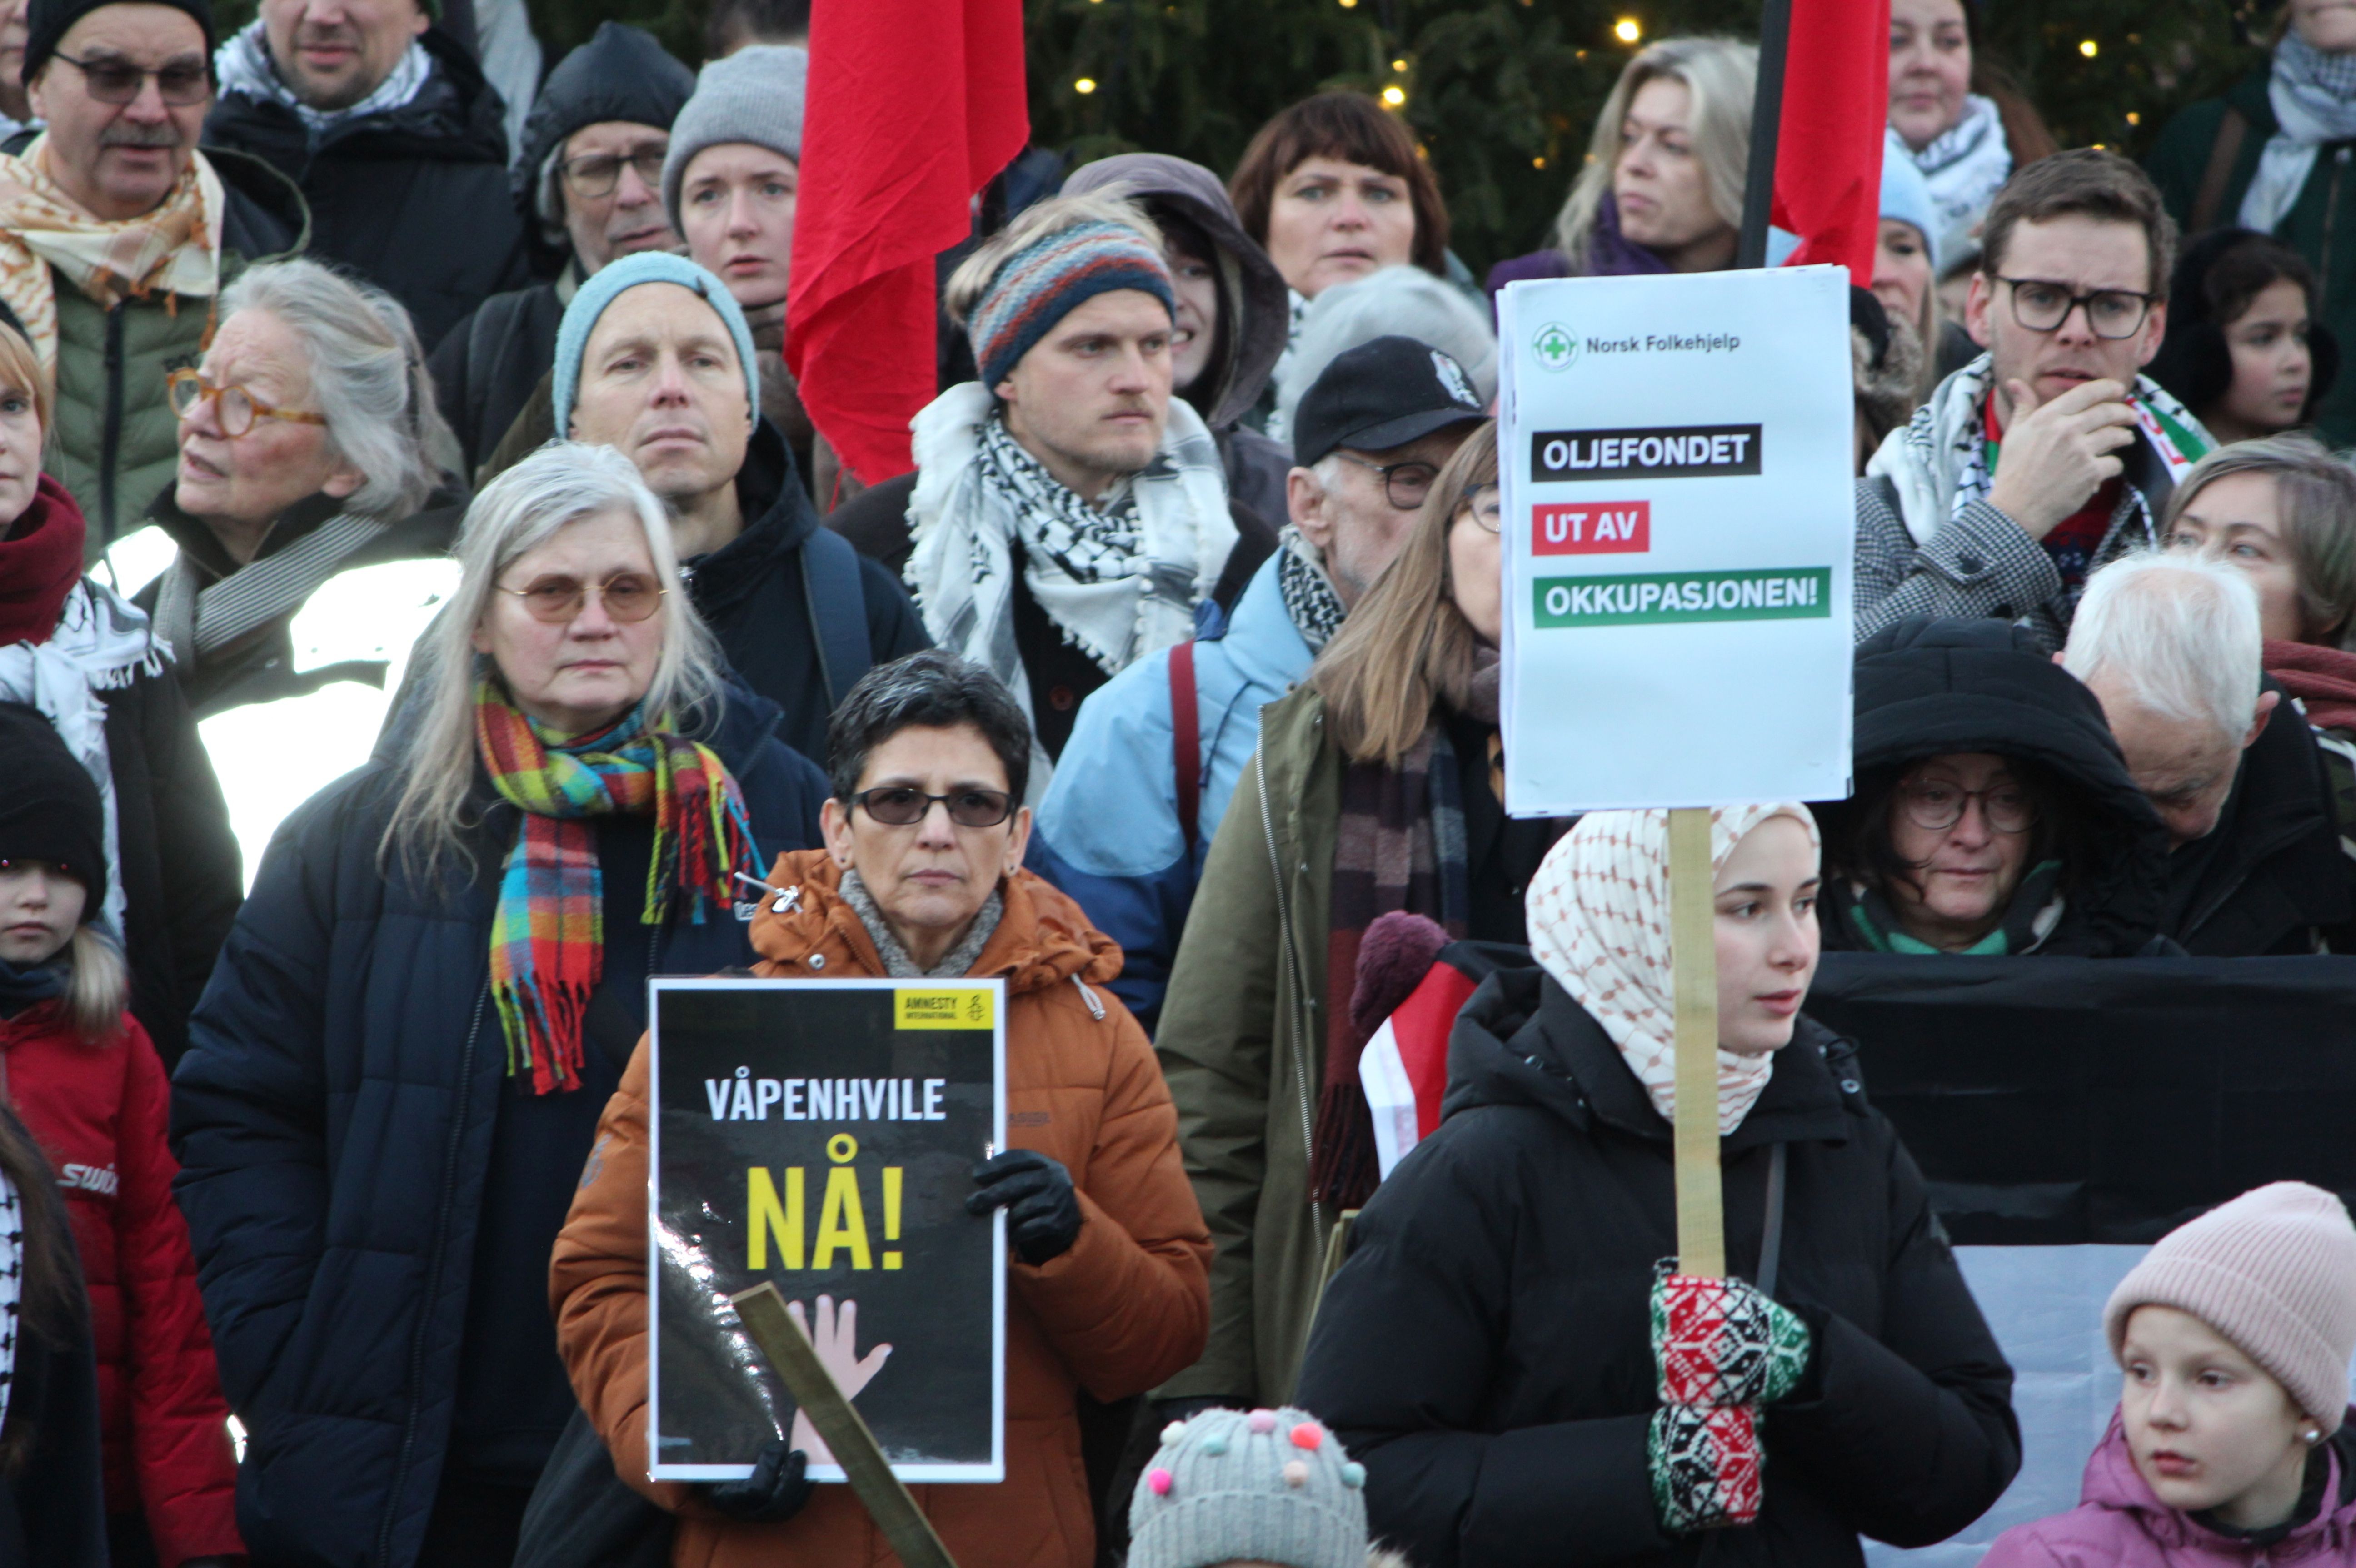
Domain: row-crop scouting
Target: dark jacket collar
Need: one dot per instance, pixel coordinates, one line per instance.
(197, 542)
(456, 117)
(1521, 1039)
(779, 516)
(2278, 799)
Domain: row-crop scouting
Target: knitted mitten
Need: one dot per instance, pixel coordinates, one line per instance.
(1720, 1342)
(1705, 1466)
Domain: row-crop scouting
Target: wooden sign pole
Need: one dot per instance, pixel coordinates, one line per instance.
(895, 1513)
(1693, 945)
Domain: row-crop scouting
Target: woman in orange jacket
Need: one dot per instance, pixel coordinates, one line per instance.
(922, 878)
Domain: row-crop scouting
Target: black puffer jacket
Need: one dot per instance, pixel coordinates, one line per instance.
(486, 368)
(1928, 687)
(1485, 1350)
(2271, 878)
(416, 199)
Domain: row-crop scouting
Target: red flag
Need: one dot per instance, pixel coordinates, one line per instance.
(1828, 152)
(914, 105)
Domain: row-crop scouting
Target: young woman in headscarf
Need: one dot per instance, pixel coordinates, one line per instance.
(1509, 1350)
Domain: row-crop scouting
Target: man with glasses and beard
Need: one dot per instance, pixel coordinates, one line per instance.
(116, 233)
(2050, 455)
(398, 142)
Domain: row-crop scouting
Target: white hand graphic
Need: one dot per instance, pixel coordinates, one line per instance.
(836, 1343)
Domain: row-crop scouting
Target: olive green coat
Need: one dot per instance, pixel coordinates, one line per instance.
(1242, 1042)
(113, 441)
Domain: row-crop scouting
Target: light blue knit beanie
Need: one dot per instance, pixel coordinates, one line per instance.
(607, 284)
(1906, 197)
(1264, 1486)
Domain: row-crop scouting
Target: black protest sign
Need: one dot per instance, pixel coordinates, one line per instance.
(821, 1135)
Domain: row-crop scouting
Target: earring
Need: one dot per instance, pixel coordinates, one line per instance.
(2312, 1435)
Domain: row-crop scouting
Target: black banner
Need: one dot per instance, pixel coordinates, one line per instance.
(822, 1134)
(2053, 1101)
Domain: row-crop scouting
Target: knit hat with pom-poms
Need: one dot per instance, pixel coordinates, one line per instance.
(1266, 1485)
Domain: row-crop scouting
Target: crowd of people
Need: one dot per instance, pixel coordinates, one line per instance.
(428, 612)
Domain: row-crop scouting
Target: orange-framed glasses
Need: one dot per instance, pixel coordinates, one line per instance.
(236, 407)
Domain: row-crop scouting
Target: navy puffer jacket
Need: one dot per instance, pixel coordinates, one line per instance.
(334, 1119)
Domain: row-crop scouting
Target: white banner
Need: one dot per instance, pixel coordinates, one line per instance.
(1676, 456)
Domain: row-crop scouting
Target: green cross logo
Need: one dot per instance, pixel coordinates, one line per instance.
(1556, 348)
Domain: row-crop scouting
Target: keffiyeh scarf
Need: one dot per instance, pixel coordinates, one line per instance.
(1938, 459)
(1599, 912)
(1120, 581)
(101, 645)
(244, 68)
(2313, 95)
(1963, 167)
(172, 251)
(548, 934)
(1310, 600)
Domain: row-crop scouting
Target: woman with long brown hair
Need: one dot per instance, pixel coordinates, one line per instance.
(1376, 788)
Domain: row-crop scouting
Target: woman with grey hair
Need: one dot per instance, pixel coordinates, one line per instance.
(396, 1076)
(1661, 188)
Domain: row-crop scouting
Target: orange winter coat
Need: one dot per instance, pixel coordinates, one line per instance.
(1124, 1309)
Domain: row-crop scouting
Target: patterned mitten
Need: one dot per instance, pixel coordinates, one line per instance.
(1719, 1341)
(1705, 1464)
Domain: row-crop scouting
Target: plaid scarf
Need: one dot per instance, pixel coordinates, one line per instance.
(173, 250)
(1399, 845)
(548, 935)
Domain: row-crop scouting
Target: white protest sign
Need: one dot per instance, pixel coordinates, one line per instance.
(1675, 456)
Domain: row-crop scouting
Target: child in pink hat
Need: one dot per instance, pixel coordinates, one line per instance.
(2228, 1447)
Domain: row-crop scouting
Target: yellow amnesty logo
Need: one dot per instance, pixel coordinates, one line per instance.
(943, 1009)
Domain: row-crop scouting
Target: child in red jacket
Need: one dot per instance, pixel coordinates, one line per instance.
(81, 1074)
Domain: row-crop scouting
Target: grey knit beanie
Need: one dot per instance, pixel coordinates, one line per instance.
(2274, 1272)
(754, 95)
(1269, 1486)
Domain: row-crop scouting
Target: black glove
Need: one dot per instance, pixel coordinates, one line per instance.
(1043, 1211)
(772, 1494)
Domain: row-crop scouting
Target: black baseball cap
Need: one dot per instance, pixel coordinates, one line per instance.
(1379, 395)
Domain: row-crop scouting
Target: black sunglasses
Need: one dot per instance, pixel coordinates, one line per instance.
(183, 84)
(897, 806)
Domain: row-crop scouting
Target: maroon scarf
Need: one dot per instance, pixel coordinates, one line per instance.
(2323, 679)
(40, 561)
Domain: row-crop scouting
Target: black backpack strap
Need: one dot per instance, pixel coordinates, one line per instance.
(2224, 152)
(837, 610)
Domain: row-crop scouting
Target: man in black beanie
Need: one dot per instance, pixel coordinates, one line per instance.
(123, 89)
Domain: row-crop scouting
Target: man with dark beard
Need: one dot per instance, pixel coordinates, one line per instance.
(115, 234)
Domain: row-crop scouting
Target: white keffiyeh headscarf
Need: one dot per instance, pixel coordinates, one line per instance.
(1119, 580)
(1598, 922)
(102, 644)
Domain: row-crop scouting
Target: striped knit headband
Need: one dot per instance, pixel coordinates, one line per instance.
(1041, 283)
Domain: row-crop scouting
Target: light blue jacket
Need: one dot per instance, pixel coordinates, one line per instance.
(1108, 832)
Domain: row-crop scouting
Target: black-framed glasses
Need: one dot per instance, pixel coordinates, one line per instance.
(1405, 485)
(899, 806)
(1487, 504)
(183, 84)
(630, 596)
(1935, 805)
(598, 173)
(2042, 305)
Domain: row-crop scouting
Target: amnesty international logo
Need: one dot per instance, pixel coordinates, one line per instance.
(1556, 345)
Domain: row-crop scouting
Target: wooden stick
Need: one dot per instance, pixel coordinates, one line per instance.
(1693, 946)
(895, 1513)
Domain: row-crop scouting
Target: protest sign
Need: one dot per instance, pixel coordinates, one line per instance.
(820, 1135)
(1675, 456)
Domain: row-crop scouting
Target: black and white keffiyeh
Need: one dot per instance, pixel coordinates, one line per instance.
(2313, 95)
(1310, 600)
(12, 1285)
(1120, 580)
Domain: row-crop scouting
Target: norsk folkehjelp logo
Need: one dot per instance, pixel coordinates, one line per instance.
(1555, 346)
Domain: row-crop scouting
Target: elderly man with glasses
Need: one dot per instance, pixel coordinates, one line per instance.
(116, 234)
(2050, 455)
(1131, 812)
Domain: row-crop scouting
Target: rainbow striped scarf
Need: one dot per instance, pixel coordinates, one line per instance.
(548, 935)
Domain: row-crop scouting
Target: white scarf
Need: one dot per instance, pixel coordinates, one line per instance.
(2313, 95)
(1121, 607)
(245, 67)
(1963, 165)
(1938, 459)
(102, 644)
(1599, 923)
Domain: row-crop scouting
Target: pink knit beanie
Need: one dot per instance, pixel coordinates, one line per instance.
(2274, 1271)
